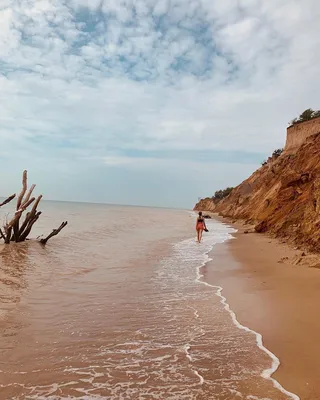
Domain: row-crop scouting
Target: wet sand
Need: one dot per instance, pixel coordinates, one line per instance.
(123, 313)
(275, 297)
(100, 315)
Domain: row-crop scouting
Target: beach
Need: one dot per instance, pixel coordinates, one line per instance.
(114, 308)
(279, 298)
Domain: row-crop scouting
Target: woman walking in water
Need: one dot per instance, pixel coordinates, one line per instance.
(200, 226)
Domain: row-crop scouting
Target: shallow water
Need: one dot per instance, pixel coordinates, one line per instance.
(115, 308)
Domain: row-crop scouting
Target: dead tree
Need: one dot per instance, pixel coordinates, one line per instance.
(6, 201)
(54, 232)
(12, 230)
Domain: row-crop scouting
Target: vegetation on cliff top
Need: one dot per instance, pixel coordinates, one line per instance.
(284, 199)
(307, 115)
(221, 194)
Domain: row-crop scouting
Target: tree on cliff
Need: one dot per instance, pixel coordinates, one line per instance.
(277, 152)
(307, 115)
(221, 194)
(13, 230)
(316, 114)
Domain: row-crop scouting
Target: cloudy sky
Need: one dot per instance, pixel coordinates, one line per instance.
(150, 102)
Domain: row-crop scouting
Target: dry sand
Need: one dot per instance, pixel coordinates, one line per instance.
(274, 291)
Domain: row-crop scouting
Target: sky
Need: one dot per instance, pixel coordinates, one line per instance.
(150, 102)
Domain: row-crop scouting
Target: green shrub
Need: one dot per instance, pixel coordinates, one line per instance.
(277, 153)
(307, 115)
(221, 194)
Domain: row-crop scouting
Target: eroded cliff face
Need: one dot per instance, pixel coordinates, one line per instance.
(206, 204)
(282, 197)
(299, 132)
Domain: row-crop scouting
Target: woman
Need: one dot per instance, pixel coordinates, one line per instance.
(200, 226)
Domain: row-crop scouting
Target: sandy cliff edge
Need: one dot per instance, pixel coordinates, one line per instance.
(281, 198)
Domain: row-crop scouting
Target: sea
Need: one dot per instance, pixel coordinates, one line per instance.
(117, 306)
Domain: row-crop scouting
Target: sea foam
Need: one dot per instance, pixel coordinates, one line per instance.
(219, 233)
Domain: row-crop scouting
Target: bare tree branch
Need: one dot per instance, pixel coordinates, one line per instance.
(35, 206)
(24, 189)
(30, 219)
(8, 235)
(6, 201)
(28, 195)
(24, 225)
(19, 212)
(14, 223)
(54, 232)
(2, 235)
(31, 222)
(31, 214)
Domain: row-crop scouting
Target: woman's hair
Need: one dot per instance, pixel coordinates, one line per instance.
(200, 213)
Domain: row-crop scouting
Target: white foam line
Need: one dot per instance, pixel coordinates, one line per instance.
(195, 312)
(267, 373)
(186, 349)
(200, 377)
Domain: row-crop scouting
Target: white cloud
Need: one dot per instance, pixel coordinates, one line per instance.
(161, 7)
(90, 77)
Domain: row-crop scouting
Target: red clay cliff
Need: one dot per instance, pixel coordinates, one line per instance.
(283, 196)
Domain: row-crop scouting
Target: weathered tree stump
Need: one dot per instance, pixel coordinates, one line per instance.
(12, 231)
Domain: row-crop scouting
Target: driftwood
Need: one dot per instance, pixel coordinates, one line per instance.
(12, 231)
(8, 200)
(24, 189)
(54, 232)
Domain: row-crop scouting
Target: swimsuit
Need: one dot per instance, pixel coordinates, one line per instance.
(200, 224)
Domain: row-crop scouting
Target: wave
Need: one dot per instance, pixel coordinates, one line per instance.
(267, 373)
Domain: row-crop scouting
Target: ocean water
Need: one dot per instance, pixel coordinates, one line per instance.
(118, 307)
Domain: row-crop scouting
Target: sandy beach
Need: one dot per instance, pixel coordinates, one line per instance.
(94, 321)
(274, 291)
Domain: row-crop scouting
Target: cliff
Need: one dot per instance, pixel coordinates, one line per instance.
(206, 204)
(282, 197)
(299, 132)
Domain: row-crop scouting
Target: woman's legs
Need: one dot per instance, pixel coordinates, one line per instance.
(200, 235)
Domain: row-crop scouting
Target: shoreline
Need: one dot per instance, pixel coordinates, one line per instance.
(271, 290)
(267, 373)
